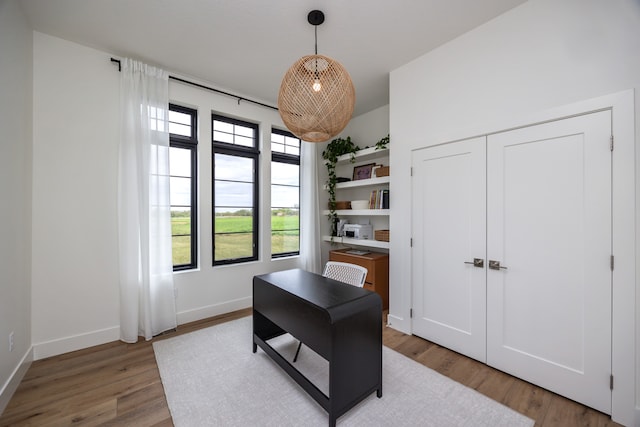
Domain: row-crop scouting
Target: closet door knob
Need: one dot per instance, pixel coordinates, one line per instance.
(495, 265)
(477, 262)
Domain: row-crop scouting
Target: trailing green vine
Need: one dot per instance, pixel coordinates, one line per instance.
(382, 144)
(336, 148)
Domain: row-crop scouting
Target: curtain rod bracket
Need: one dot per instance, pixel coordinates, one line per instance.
(117, 61)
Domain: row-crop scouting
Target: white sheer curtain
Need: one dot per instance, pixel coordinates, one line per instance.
(310, 242)
(147, 303)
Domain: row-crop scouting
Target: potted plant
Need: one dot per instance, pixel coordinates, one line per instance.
(382, 144)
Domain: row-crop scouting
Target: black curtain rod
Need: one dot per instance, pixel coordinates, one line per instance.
(239, 98)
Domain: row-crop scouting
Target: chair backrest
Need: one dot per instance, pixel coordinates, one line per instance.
(345, 272)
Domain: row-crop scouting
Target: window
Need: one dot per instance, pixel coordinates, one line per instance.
(285, 194)
(183, 182)
(235, 190)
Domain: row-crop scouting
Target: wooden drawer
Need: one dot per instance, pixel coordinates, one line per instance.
(358, 260)
(377, 265)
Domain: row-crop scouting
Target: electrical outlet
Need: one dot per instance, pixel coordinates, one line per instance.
(11, 341)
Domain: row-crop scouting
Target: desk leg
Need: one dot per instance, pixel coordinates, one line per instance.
(255, 347)
(379, 392)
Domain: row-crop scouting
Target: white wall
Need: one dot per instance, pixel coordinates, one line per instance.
(541, 55)
(15, 196)
(369, 128)
(75, 297)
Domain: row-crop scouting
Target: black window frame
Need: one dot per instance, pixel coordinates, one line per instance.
(280, 157)
(218, 147)
(189, 143)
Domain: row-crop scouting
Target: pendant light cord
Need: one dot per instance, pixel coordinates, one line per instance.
(316, 28)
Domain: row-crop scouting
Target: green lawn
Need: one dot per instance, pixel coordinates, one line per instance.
(284, 237)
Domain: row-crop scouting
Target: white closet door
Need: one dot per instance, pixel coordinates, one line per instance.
(448, 222)
(549, 225)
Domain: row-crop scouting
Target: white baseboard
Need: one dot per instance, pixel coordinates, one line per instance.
(77, 342)
(13, 382)
(399, 323)
(213, 310)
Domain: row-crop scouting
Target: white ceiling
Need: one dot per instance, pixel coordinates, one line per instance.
(246, 46)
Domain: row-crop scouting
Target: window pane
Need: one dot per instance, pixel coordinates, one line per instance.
(293, 145)
(285, 219)
(234, 234)
(293, 150)
(179, 129)
(245, 141)
(285, 230)
(244, 131)
(223, 126)
(179, 161)
(233, 220)
(180, 191)
(285, 242)
(294, 142)
(235, 158)
(157, 118)
(233, 168)
(180, 118)
(231, 133)
(223, 137)
(285, 193)
(233, 194)
(232, 246)
(181, 250)
(285, 174)
(180, 221)
(182, 181)
(287, 144)
(284, 197)
(234, 212)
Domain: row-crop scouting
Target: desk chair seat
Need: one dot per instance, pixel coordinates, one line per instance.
(350, 274)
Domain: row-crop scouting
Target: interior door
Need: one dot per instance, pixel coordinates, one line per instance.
(448, 222)
(549, 227)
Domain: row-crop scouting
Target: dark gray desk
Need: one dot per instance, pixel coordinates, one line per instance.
(340, 322)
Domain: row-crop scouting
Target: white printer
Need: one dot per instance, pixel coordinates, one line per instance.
(358, 231)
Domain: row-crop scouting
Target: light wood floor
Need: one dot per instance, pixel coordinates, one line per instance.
(119, 384)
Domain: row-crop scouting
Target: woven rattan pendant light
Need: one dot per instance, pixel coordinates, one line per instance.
(316, 96)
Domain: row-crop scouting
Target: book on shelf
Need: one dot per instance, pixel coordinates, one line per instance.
(379, 199)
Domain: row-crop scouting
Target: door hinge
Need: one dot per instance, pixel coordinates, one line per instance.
(411, 170)
(411, 242)
(411, 313)
(611, 382)
(611, 143)
(612, 262)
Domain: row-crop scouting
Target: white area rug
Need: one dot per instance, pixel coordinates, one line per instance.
(212, 378)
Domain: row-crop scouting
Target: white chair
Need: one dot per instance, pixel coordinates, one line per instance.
(345, 272)
(350, 274)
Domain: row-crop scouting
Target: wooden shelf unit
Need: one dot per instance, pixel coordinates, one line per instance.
(358, 242)
(361, 190)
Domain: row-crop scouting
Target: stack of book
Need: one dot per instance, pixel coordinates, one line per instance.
(379, 199)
